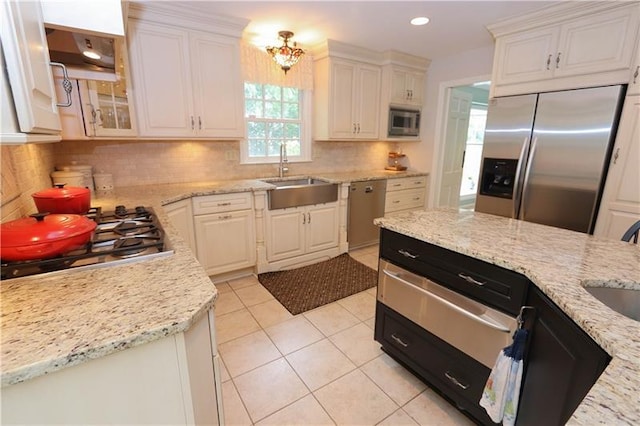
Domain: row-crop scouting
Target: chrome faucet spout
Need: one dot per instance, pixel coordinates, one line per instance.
(282, 168)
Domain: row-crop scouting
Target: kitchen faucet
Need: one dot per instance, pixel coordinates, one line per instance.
(282, 168)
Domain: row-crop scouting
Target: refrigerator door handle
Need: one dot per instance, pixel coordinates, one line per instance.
(527, 173)
(516, 184)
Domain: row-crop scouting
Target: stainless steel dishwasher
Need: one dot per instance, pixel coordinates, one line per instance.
(366, 202)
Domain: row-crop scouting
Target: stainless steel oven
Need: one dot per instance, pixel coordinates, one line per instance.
(468, 325)
(404, 122)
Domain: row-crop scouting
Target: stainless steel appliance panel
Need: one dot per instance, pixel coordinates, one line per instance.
(366, 202)
(470, 326)
(569, 149)
(507, 134)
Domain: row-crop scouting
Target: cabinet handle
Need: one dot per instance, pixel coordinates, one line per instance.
(549, 61)
(226, 216)
(228, 203)
(395, 185)
(199, 123)
(407, 254)
(66, 84)
(616, 155)
(468, 279)
(354, 128)
(635, 74)
(358, 128)
(455, 381)
(193, 124)
(309, 217)
(399, 341)
(416, 198)
(558, 60)
(304, 219)
(396, 201)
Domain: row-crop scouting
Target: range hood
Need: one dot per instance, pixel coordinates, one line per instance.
(71, 49)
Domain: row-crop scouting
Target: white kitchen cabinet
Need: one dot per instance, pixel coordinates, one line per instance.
(634, 79)
(298, 231)
(192, 89)
(588, 46)
(620, 205)
(405, 194)
(346, 99)
(26, 57)
(180, 214)
(225, 232)
(173, 380)
(407, 86)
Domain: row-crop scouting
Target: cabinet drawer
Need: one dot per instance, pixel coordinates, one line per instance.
(404, 200)
(222, 203)
(496, 286)
(406, 183)
(459, 377)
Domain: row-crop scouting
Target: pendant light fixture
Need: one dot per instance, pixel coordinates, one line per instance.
(285, 55)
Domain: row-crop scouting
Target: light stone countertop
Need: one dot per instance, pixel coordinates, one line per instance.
(60, 319)
(560, 263)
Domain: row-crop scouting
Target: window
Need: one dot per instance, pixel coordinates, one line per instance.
(275, 115)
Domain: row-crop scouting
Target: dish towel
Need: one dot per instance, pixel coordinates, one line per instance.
(501, 393)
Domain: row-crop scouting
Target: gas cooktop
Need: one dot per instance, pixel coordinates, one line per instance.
(121, 236)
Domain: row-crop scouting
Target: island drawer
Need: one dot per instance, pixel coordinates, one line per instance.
(498, 287)
(406, 183)
(222, 203)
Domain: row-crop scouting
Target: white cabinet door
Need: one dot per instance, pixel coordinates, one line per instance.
(285, 233)
(634, 79)
(181, 215)
(215, 68)
(342, 101)
(24, 45)
(161, 81)
(367, 113)
(406, 87)
(620, 206)
(226, 241)
(603, 42)
(321, 230)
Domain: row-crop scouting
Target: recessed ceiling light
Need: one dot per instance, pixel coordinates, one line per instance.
(420, 20)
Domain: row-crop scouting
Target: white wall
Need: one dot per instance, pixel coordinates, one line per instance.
(473, 63)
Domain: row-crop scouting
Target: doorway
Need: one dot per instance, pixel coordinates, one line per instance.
(465, 120)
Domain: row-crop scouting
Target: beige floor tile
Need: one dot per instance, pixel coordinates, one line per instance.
(362, 305)
(223, 287)
(293, 334)
(393, 379)
(371, 260)
(371, 323)
(247, 281)
(227, 302)
(355, 399)
(305, 411)
(234, 410)
(357, 344)
(331, 318)
(373, 291)
(253, 294)
(235, 324)
(319, 363)
(248, 352)
(269, 388)
(429, 408)
(224, 373)
(399, 418)
(270, 313)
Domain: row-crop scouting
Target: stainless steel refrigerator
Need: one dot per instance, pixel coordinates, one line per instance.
(545, 156)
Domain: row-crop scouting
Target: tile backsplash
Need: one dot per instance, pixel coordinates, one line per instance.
(149, 162)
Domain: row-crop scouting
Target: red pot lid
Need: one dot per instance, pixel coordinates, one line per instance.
(61, 191)
(44, 227)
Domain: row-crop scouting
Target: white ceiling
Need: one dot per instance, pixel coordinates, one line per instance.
(455, 26)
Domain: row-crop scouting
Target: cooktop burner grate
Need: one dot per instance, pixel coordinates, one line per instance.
(122, 235)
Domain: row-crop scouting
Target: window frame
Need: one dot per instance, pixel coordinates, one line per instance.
(305, 133)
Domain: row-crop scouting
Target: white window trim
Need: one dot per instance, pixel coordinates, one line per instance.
(305, 138)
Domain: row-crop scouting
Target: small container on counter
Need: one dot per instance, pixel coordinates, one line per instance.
(85, 169)
(68, 178)
(104, 184)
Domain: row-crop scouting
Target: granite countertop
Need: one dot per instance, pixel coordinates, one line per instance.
(60, 319)
(561, 263)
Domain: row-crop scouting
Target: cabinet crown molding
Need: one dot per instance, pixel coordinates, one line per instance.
(338, 49)
(395, 57)
(190, 16)
(554, 14)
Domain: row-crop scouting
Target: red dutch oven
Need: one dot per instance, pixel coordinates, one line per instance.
(61, 199)
(43, 235)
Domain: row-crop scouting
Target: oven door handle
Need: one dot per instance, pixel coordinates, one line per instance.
(450, 304)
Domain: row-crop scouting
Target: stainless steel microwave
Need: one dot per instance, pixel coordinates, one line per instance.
(404, 122)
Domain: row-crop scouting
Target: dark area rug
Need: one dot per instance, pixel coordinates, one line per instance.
(308, 287)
